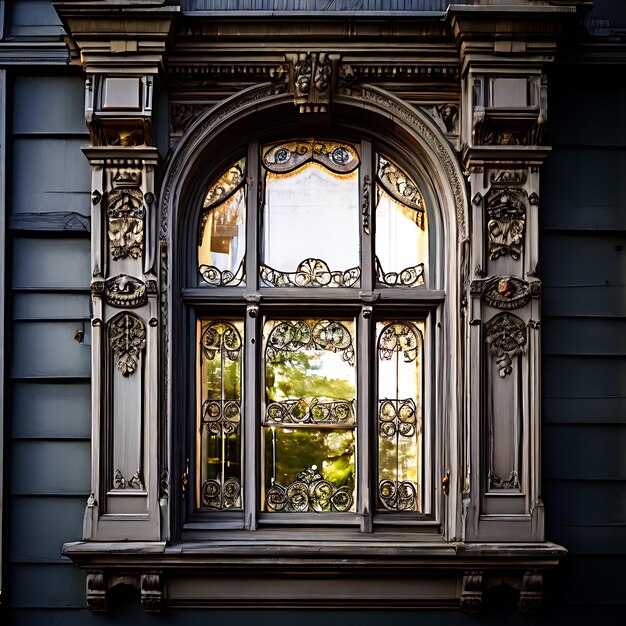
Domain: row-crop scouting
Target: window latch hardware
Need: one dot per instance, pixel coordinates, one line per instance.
(445, 484)
(185, 478)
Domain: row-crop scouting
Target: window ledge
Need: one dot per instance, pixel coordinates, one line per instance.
(275, 574)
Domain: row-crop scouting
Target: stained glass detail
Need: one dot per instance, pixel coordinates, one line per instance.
(338, 157)
(219, 442)
(311, 216)
(222, 236)
(399, 420)
(401, 228)
(309, 415)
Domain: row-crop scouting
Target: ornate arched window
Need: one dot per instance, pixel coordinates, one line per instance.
(315, 305)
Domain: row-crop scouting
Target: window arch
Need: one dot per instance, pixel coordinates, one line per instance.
(427, 299)
(313, 312)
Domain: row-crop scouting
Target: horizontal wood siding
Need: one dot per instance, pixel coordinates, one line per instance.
(583, 215)
(49, 364)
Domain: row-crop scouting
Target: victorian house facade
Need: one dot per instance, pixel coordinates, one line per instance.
(313, 305)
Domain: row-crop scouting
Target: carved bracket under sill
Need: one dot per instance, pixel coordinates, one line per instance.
(398, 574)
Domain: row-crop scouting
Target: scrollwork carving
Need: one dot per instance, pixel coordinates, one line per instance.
(127, 338)
(126, 216)
(506, 213)
(341, 158)
(135, 482)
(506, 338)
(507, 292)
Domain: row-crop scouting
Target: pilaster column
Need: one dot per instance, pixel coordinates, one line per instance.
(121, 53)
(504, 53)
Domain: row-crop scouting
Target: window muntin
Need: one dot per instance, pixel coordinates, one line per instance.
(333, 453)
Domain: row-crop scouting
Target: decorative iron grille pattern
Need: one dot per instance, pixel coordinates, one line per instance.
(408, 277)
(398, 337)
(220, 416)
(221, 495)
(311, 273)
(223, 278)
(309, 492)
(397, 495)
(221, 338)
(397, 417)
(311, 411)
(293, 335)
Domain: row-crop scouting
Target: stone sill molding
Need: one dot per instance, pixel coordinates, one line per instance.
(274, 574)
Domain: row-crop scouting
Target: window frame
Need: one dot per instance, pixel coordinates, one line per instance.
(367, 304)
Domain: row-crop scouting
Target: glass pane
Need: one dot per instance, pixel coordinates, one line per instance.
(399, 420)
(309, 469)
(311, 218)
(401, 229)
(219, 440)
(309, 414)
(222, 233)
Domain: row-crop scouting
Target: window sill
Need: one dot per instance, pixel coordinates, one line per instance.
(364, 573)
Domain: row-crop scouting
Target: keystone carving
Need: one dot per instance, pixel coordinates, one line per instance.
(311, 80)
(506, 338)
(127, 337)
(506, 222)
(126, 215)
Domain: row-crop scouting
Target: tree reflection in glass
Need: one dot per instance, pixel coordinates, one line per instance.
(309, 415)
(399, 420)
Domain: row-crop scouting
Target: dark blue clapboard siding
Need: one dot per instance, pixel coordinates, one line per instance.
(583, 268)
(50, 362)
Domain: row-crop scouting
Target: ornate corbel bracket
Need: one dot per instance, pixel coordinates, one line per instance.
(96, 586)
(472, 592)
(531, 593)
(151, 587)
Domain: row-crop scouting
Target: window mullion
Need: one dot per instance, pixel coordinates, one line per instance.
(253, 222)
(251, 379)
(364, 418)
(368, 205)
